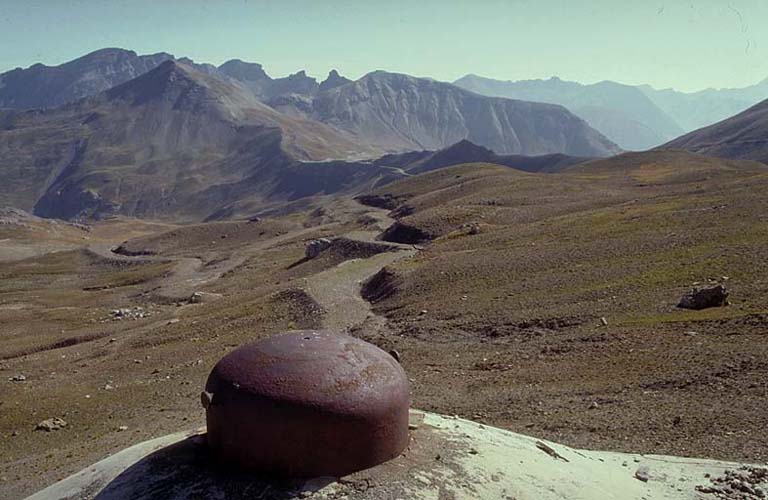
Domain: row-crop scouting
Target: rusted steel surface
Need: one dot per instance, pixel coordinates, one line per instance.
(309, 403)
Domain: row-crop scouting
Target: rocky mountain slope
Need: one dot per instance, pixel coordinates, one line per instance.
(399, 112)
(622, 113)
(173, 141)
(195, 141)
(744, 136)
(387, 111)
(41, 86)
(180, 143)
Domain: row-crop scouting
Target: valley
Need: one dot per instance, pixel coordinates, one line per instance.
(499, 324)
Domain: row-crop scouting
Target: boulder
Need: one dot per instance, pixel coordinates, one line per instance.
(703, 298)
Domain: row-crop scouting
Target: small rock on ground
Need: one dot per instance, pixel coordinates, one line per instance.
(51, 424)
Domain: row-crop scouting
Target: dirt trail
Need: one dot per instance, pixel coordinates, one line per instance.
(337, 289)
(191, 273)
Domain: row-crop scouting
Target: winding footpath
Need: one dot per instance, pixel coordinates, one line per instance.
(337, 289)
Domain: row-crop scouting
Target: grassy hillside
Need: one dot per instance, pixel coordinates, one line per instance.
(506, 300)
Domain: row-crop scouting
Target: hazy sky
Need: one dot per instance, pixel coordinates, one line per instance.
(688, 45)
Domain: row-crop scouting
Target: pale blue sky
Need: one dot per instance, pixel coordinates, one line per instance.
(688, 45)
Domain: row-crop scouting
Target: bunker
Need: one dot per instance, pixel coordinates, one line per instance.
(307, 404)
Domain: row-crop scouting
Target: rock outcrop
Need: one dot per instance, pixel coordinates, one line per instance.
(399, 112)
(315, 247)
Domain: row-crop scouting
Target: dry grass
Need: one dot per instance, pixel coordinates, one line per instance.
(512, 333)
(513, 313)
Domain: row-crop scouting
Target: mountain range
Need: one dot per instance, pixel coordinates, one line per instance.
(705, 107)
(155, 136)
(173, 139)
(634, 117)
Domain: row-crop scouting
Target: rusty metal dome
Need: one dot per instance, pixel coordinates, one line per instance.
(307, 404)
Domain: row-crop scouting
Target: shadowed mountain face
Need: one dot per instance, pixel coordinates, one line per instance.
(623, 113)
(171, 142)
(744, 136)
(418, 162)
(399, 112)
(192, 141)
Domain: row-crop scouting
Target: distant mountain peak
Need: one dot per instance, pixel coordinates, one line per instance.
(382, 75)
(42, 86)
(296, 83)
(397, 112)
(623, 113)
(464, 151)
(244, 71)
(107, 52)
(334, 80)
(467, 145)
(171, 79)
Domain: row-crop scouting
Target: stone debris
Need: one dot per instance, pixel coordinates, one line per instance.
(745, 483)
(122, 428)
(202, 297)
(51, 424)
(17, 378)
(603, 321)
(643, 474)
(703, 298)
(315, 247)
(129, 313)
(395, 354)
